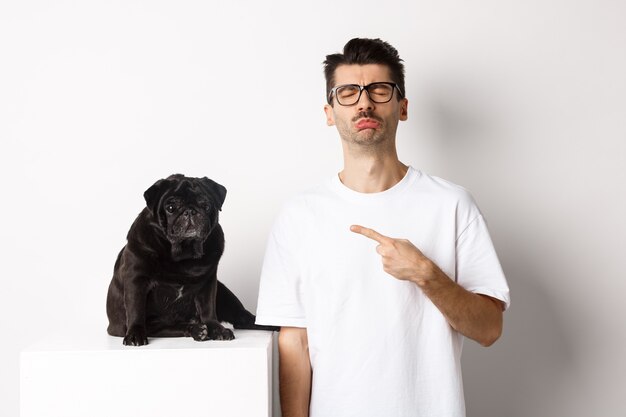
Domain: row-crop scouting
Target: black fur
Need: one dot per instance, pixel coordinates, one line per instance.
(165, 278)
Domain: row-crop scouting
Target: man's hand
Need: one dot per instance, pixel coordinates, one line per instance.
(400, 257)
(476, 316)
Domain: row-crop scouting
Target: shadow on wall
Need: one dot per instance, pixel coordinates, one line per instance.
(521, 374)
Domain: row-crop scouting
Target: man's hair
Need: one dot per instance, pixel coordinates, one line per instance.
(362, 51)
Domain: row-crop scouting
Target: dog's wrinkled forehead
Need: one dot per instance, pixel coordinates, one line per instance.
(189, 189)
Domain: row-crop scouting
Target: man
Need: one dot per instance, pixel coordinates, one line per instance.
(376, 276)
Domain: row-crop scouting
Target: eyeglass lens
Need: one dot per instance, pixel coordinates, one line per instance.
(378, 93)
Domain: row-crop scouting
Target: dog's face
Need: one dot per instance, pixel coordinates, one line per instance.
(186, 210)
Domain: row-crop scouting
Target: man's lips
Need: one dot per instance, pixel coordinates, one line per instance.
(367, 124)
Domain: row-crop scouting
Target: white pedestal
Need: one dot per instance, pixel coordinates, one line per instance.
(99, 377)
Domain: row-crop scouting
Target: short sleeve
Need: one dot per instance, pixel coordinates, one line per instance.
(477, 266)
(280, 298)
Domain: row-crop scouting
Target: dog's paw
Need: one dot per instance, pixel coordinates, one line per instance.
(216, 331)
(221, 333)
(199, 332)
(136, 336)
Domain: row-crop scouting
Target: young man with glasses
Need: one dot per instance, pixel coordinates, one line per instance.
(377, 275)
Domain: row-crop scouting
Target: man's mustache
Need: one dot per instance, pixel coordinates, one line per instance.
(367, 115)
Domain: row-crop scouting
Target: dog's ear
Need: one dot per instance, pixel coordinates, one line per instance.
(217, 191)
(153, 194)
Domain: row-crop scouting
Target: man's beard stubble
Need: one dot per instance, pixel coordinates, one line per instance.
(367, 137)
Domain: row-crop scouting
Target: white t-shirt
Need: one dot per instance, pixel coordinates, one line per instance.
(378, 346)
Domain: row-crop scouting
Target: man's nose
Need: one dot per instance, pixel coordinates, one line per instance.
(364, 102)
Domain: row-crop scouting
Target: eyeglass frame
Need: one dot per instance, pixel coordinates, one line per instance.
(333, 92)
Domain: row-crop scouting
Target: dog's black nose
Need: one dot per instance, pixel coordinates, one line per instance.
(190, 212)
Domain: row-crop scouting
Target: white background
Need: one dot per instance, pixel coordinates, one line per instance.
(522, 102)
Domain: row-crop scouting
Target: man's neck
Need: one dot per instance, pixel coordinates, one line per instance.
(372, 174)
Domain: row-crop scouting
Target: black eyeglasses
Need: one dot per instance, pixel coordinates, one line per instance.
(349, 94)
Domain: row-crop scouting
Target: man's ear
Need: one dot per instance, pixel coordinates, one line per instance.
(404, 109)
(330, 116)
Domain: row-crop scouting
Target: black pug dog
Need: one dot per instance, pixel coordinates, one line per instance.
(165, 278)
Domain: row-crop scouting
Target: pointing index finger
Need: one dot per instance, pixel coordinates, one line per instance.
(370, 233)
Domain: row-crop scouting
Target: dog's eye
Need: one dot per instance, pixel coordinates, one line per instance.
(170, 208)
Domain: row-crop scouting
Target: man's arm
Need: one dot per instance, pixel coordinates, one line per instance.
(295, 372)
(476, 316)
